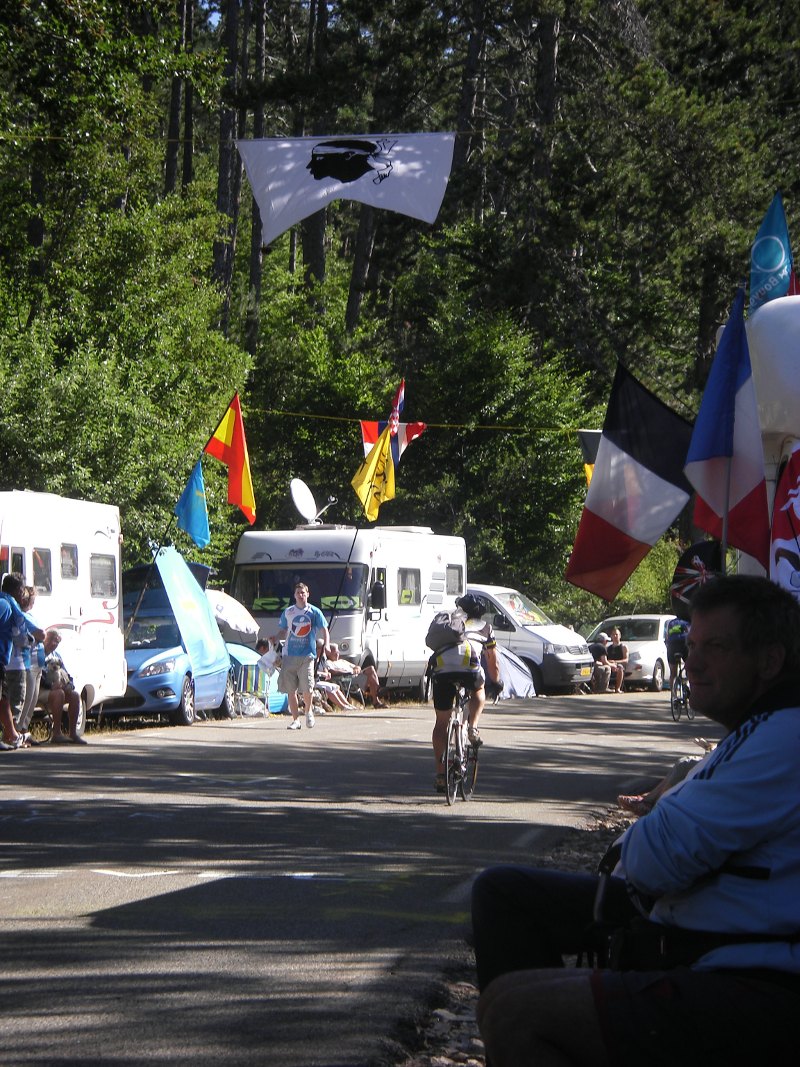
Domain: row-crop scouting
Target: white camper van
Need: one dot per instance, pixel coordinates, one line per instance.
(69, 550)
(378, 588)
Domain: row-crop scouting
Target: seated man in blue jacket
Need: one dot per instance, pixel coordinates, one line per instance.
(716, 864)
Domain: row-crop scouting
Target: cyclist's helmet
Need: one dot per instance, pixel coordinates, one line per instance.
(471, 606)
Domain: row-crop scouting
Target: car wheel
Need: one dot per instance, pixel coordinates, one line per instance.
(536, 674)
(227, 708)
(185, 714)
(657, 683)
(80, 726)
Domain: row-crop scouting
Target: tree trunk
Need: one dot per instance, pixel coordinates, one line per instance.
(252, 325)
(223, 246)
(365, 241)
(188, 106)
(174, 121)
(469, 84)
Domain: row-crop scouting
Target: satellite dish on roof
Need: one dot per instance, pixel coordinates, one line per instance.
(303, 499)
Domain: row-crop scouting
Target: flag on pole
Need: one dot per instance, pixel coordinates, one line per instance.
(784, 558)
(292, 178)
(637, 490)
(228, 445)
(770, 257)
(192, 510)
(725, 461)
(374, 479)
(590, 442)
(406, 433)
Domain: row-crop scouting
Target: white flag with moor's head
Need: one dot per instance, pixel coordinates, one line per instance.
(291, 178)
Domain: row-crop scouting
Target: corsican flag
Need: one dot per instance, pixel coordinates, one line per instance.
(293, 178)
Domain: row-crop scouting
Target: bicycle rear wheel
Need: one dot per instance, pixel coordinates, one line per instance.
(470, 772)
(677, 699)
(452, 759)
(688, 698)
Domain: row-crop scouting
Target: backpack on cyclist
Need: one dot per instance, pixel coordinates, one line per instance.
(446, 630)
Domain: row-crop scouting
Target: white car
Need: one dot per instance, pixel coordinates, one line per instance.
(645, 636)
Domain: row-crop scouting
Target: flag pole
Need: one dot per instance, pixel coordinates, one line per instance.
(147, 578)
(725, 511)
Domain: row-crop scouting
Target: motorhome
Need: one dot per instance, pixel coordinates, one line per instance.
(69, 550)
(379, 588)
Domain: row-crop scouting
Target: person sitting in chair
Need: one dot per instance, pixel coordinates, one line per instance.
(617, 654)
(601, 674)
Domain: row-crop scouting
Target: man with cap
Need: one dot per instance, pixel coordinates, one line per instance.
(602, 668)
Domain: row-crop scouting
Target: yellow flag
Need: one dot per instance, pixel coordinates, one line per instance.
(374, 480)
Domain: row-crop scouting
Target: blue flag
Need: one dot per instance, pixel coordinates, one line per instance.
(191, 508)
(770, 257)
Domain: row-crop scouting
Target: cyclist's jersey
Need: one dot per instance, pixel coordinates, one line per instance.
(465, 657)
(677, 630)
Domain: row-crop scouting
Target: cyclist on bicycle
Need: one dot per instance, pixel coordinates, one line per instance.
(677, 630)
(460, 664)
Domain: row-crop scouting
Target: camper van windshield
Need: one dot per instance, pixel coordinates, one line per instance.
(268, 590)
(524, 611)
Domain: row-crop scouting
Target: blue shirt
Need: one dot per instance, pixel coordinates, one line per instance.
(301, 625)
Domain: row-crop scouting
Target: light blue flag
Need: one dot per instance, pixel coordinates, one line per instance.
(199, 631)
(770, 257)
(191, 508)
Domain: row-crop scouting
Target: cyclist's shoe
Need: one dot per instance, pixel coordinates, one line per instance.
(309, 718)
(440, 783)
(474, 736)
(295, 724)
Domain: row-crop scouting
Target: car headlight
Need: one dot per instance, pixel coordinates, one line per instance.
(554, 650)
(164, 666)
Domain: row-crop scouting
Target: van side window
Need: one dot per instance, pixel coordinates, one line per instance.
(17, 561)
(408, 586)
(69, 561)
(455, 580)
(42, 571)
(103, 575)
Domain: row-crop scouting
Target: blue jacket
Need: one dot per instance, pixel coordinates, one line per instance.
(721, 850)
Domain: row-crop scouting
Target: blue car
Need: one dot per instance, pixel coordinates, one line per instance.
(180, 675)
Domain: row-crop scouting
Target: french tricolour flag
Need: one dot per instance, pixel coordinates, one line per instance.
(406, 433)
(638, 487)
(725, 461)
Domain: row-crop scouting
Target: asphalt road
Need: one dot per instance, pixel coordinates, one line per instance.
(237, 893)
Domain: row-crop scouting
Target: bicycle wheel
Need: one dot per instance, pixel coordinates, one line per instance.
(688, 699)
(452, 757)
(470, 771)
(676, 698)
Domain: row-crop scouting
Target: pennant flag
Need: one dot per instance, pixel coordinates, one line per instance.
(374, 479)
(590, 442)
(192, 510)
(699, 564)
(784, 558)
(291, 179)
(228, 445)
(770, 257)
(637, 490)
(725, 461)
(406, 433)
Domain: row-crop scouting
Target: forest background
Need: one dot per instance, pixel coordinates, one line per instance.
(613, 162)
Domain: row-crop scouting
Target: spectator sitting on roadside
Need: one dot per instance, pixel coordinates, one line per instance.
(601, 673)
(337, 664)
(617, 654)
(642, 803)
(58, 691)
(268, 649)
(714, 977)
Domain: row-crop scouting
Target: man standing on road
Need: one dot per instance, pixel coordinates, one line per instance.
(299, 626)
(714, 977)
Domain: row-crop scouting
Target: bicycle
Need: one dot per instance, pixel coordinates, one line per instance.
(460, 756)
(679, 692)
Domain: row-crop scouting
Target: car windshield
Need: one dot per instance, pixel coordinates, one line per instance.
(152, 633)
(522, 610)
(267, 590)
(632, 629)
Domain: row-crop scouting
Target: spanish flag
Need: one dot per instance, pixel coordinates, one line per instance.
(374, 479)
(228, 445)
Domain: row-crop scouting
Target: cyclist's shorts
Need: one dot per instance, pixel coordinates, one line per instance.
(445, 686)
(676, 648)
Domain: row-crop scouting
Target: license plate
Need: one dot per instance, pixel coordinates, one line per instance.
(585, 672)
